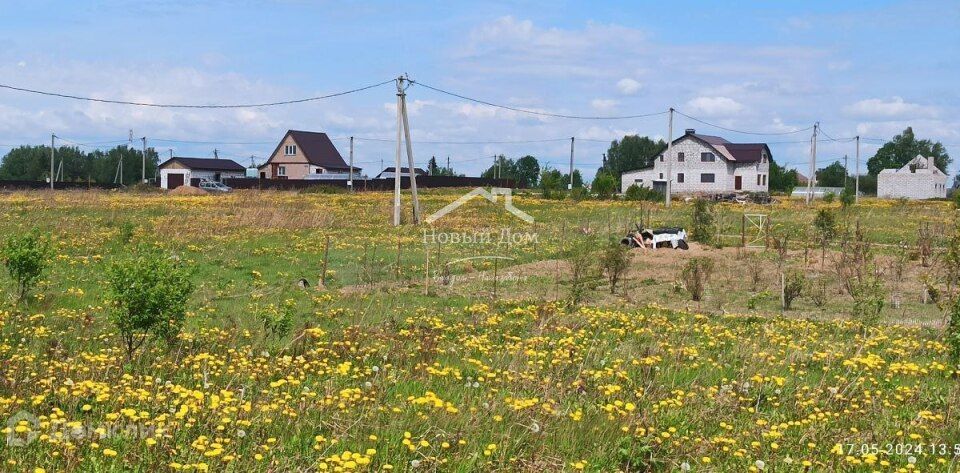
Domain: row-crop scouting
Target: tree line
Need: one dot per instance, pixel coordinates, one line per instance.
(32, 163)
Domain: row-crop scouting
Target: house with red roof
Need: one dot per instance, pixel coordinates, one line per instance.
(305, 155)
(705, 164)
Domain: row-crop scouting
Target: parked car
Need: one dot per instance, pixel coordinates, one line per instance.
(213, 186)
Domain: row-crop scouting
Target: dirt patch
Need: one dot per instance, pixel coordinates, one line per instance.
(187, 190)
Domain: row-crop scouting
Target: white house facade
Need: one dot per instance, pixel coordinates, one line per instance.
(918, 179)
(704, 164)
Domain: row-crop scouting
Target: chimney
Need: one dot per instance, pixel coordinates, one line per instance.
(690, 131)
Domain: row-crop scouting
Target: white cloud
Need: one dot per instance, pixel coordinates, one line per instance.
(714, 106)
(603, 105)
(628, 86)
(896, 107)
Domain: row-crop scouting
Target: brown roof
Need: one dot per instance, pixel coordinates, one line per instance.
(206, 164)
(747, 152)
(317, 148)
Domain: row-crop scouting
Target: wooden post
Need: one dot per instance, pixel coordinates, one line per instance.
(766, 227)
(783, 292)
(743, 231)
(398, 257)
(495, 267)
(426, 282)
(326, 256)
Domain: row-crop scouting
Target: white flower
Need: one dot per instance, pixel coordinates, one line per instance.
(760, 464)
(684, 466)
(241, 433)
(912, 460)
(414, 463)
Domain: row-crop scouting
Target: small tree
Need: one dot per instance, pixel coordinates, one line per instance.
(615, 260)
(582, 260)
(826, 227)
(794, 283)
(847, 197)
(695, 275)
(637, 193)
(868, 301)
(702, 226)
(25, 257)
(148, 293)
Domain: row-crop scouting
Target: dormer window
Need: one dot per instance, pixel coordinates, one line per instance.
(290, 150)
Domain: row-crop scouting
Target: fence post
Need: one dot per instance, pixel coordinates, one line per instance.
(426, 282)
(743, 231)
(326, 256)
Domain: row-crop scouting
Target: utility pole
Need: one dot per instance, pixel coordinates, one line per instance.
(350, 180)
(845, 172)
(669, 158)
(52, 157)
(143, 163)
(813, 162)
(396, 169)
(448, 165)
(406, 129)
(216, 153)
(570, 185)
(856, 179)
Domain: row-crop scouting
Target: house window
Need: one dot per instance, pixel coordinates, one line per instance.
(319, 171)
(758, 179)
(281, 170)
(638, 181)
(661, 158)
(764, 179)
(707, 158)
(290, 150)
(661, 175)
(708, 177)
(679, 177)
(680, 157)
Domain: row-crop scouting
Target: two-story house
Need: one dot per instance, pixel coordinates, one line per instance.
(706, 164)
(305, 155)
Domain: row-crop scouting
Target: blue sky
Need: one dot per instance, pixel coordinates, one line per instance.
(868, 68)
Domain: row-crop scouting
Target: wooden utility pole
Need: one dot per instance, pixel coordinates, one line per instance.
(813, 162)
(350, 179)
(403, 132)
(52, 157)
(570, 185)
(669, 158)
(856, 178)
(845, 172)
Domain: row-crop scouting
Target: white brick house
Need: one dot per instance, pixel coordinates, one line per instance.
(706, 164)
(918, 179)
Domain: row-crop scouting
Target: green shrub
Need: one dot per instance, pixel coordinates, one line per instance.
(638, 193)
(148, 294)
(828, 197)
(582, 259)
(794, 283)
(701, 229)
(868, 300)
(25, 257)
(847, 197)
(695, 275)
(604, 186)
(614, 261)
(277, 319)
(579, 193)
(953, 334)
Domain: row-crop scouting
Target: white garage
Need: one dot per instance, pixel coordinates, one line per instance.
(176, 171)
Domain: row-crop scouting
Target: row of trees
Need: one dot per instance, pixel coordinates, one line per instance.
(32, 163)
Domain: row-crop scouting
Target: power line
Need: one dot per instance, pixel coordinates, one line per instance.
(535, 112)
(742, 131)
(160, 105)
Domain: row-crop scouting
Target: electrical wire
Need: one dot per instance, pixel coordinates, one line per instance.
(742, 131)
(533, 112)
(162, 105)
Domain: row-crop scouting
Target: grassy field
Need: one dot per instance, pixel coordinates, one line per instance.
(482, 365)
